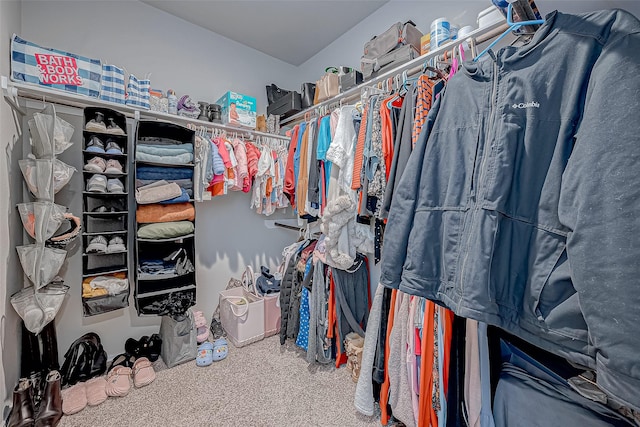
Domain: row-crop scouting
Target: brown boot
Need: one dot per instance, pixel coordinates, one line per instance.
(22, 411)
(51, 406)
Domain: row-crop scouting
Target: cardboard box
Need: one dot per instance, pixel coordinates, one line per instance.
(238, 110)
(425, 44)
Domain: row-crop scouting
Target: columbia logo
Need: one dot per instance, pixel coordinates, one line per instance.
(532, 104)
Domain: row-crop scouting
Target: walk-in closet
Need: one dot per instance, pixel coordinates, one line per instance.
(320, 213)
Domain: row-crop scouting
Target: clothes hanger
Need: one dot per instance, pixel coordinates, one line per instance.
(513, 26)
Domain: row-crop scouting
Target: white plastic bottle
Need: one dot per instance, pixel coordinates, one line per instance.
(173, 101)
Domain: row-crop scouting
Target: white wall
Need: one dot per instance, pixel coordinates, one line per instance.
(190, 60)
(11, 191)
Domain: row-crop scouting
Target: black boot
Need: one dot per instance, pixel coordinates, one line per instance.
(50, 410)
(22, 411)
(49, 356)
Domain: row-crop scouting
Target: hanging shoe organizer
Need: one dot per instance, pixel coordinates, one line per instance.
(105, 242)
(42, 260)
(165, 219)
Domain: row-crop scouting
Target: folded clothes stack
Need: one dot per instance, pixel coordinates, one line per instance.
(176, 264)
(165, 230)
(165, 213)
(185, 184)
(98, 286)
(163, 172)
(157, 192)
(179, 154)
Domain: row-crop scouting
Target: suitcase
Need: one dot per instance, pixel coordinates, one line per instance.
(286, 106)
(349, 80)
(399, 34)
(392, 59)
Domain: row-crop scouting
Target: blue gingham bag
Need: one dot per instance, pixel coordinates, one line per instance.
(54, 68)
(112, 89)
(138, 92)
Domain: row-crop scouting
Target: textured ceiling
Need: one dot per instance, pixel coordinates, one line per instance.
(292, 30)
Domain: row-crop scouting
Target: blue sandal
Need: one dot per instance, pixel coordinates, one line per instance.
(205, 354)
(220, 349)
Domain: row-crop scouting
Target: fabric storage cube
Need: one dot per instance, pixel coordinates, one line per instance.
(242, 316)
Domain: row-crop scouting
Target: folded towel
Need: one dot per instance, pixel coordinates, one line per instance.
(164, 150)
(165, 213)
(187, 184)
(182, 198)
(168, 159)
(158, 192)
(162, 172)
(165, 230)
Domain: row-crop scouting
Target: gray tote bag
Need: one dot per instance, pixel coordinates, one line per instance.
(178, 340)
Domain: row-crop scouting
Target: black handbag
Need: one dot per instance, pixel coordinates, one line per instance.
(274, 93)
(308, 91)
(84, 360)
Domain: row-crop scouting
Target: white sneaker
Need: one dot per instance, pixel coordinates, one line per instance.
(113, 166)
(116, 244)
(113, 128)
(97, 245)
(97, 184)
(96, 165)
(97, 124)
(114, 185)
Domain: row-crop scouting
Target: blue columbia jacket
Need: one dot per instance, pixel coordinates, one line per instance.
(520, 204)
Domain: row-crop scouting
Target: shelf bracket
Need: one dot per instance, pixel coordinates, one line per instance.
(10, 94)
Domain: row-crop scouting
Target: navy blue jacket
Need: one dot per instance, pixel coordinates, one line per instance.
(520, 204)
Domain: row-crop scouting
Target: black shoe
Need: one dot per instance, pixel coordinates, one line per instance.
(50, 410)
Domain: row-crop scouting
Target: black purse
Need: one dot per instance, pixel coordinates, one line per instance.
(308, 91)
(84, 360)
(274, 93)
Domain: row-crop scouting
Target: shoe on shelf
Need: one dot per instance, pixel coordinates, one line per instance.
(104, 209)
(97, 184)
(97, 124)
(116, 244)
(96, 165)
(113, 128)
(114, 185)
(113, 166)
(95, 145)
(113, 147)
(97, 245)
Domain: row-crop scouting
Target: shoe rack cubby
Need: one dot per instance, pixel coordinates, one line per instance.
(153, 292)
(105, 207)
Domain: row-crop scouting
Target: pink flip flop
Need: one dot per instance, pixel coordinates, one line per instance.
(143, 373)
(96, 391)
(118, 381)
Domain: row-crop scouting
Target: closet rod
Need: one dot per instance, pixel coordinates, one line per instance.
(12, 90)
(479, 35)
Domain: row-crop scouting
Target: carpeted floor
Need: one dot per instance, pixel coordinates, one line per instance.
(262, 384)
